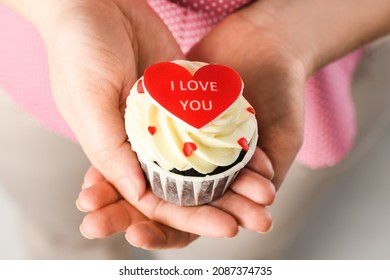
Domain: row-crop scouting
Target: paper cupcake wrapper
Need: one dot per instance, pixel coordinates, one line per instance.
(192, 191)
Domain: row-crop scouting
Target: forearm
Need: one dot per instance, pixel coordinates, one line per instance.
(324, 30)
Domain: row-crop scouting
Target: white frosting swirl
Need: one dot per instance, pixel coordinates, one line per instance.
(158, 137)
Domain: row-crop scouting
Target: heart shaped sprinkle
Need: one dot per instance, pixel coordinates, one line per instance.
(251, 110)
(189, 148)
(152, 130)
(196, 99)
(243, 143)
(140, 87)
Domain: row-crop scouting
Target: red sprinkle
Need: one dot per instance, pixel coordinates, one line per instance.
(140, 87)
(188, 148)
(152, 130)
(251, 110)
(243, 143)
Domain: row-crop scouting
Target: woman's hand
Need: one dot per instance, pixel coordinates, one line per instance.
(152, 223)
(97, 50)
(274, 80)
(276, 45)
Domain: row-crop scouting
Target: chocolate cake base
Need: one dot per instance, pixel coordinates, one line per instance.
(192, 172)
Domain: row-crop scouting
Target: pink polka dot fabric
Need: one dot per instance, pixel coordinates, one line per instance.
(190, 20)
(212, 7)
(330, 115)
(24, 72)
(330, 125)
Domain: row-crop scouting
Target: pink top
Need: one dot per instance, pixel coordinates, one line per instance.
(330, 116)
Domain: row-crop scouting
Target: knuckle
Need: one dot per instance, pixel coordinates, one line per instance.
(102, 159)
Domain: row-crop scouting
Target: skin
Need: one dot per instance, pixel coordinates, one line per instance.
(98, 49)
(96, 52)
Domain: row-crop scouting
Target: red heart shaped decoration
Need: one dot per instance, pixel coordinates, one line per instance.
(195, 99)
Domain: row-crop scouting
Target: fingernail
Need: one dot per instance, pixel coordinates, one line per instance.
(269, 229)
(78, 207)
(129, 189)
(83, 233)
(131, 242)
(271, 169)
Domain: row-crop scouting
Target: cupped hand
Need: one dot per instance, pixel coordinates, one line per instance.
(97, 49)
(251, 42)
(152, 223)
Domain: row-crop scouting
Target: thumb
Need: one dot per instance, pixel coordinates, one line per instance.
(103, 137)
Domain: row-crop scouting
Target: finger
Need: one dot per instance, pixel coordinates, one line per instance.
(261, 164)
(110, 220)
(248, 214)
(254, 187)
(150, 235)
(103, 138)
(281, 145)
(89, 93)
(97, 196)
(91, 177)
(201, 220)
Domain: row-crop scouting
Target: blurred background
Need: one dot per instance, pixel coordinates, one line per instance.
(345, 212)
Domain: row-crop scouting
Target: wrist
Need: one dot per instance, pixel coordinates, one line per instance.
(318, 32)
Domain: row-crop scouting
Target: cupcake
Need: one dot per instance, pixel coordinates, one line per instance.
(191, 128)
